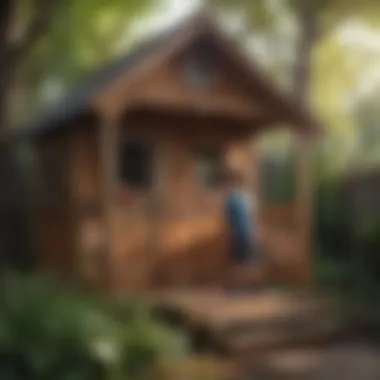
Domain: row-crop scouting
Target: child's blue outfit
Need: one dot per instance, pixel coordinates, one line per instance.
(241, 225)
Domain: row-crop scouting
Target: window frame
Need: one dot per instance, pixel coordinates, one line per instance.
(204, 150)
(147, 143)
(282, 187)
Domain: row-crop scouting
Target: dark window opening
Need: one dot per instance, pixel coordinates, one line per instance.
(208, 168)
(136, 164)
(200, 65)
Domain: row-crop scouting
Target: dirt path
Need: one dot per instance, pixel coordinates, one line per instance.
(344, 361)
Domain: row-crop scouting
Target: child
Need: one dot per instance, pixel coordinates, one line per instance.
(240, 211)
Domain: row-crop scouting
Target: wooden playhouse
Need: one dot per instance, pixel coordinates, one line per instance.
(129, 162)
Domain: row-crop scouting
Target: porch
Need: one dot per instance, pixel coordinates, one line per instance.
(249, 330)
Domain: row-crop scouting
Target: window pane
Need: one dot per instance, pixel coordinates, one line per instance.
(136, 164)
(277, 179)
(208, 165)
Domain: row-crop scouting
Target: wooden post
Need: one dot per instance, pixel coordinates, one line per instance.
(108, 131)
(304, 203)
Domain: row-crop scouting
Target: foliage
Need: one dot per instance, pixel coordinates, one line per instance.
(195, 368)
(368, 243)
(362, 307)
(334, 260)
(50, 332)
(98, 30)
(355, 271)
(336, 70)
(332, 221)
(366, 115)
(146, 340)
(333, 274)
(264, 14)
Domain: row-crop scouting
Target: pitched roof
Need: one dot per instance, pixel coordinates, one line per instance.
(79, 99)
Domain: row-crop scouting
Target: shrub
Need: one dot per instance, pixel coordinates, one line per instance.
(146, 341)
(333, 274)
(50, 332)
(368, 259)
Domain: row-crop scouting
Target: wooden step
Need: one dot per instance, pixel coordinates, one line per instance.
(276, 322)
(240, 323)
(252, 309)
(307, 331)
(246, 275)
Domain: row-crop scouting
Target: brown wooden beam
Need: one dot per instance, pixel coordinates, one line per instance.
(108, 132)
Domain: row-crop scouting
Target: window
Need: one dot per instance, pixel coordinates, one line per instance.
(197, 74)
(136, 164)
(208, 168)
(200, 68)
(277, 183)
(277, 167)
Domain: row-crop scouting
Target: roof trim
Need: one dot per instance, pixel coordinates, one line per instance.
(83, 97)
(297, 113)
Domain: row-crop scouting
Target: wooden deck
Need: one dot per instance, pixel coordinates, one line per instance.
(269, 335)
(240, 323)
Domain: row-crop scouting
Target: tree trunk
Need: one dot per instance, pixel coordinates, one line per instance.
(14, 197)
(308, 18)
(7, 172)
(308, 34)
(6, 76)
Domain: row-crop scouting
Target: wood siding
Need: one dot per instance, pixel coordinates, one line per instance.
(172, 234)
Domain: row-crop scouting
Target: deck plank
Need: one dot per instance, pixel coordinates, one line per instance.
(221, 308)
(250, 320)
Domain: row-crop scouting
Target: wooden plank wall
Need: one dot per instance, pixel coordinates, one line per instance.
(180, 242)
(173, 234)
(85, 206)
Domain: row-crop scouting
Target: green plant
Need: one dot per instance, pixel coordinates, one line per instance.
(332, 273)
(146, 341)
(368, 243)
(48, 331)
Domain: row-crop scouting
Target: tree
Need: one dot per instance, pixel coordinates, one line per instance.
(366, 114)
(321, 71)
(14, 46)
(98, 30)
(313, 21)
(21, 25)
